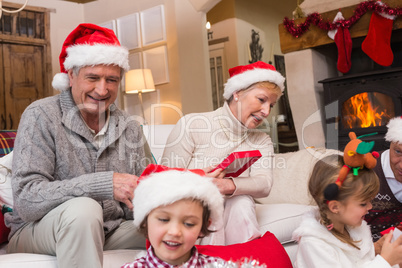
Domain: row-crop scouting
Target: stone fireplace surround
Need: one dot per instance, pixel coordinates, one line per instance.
(312, 58)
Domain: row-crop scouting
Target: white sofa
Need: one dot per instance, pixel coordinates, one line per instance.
(280, 212)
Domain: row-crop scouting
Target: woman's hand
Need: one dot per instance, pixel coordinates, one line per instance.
(218, 173)
(226, 186)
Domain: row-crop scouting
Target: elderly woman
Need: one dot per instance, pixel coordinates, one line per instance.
(203, 140)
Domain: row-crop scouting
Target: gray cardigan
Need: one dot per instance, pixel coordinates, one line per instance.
(56, 159)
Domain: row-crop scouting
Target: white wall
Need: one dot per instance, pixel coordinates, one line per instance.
(227, 28)
(193, 65)
(189, 88)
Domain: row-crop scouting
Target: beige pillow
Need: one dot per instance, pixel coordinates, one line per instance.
(291, 174)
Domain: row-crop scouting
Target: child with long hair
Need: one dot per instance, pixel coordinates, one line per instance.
(335, 234)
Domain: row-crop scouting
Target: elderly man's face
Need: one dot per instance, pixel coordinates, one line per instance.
(94, 88)
(396, 160)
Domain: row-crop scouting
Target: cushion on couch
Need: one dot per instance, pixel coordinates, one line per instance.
(291, 173)
(111, 259)
(7, 138)
(266, 250)
(280, 219)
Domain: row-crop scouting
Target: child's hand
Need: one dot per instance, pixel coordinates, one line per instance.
(392, 252)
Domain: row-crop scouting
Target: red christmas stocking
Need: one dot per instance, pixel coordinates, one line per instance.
(377, 43)
(343, 42)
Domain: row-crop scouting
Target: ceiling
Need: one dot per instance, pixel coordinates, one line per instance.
(80, 1)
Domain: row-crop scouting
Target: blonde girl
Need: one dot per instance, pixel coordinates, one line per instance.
(335, 233)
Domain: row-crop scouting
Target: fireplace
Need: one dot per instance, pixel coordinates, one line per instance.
(312, 57)
(362, 103)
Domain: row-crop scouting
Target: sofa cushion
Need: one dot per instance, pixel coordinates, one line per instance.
(157, 136)
(7, 138)
(266, 250)
(280, 219)
(111, 259)
(291, 172)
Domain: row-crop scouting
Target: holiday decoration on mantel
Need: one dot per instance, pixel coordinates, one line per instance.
(343, 41)
(377, 42)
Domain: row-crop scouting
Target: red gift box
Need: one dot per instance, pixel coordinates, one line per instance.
(237, 162)
(386, 231)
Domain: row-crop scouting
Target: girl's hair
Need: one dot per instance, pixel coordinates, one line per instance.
(364, 186)
(271, 86)
(206, 215)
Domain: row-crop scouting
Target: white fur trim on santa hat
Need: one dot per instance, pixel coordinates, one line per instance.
(167, 187)
(89, 55)
(394, 133)
(247, 78)
(61, 81)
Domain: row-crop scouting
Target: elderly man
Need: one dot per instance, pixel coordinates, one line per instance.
(77, 158)
(387, 205)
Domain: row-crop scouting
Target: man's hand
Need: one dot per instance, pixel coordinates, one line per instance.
(378, 245)
(123, 188)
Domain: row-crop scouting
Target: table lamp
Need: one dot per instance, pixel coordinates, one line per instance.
(139, 81)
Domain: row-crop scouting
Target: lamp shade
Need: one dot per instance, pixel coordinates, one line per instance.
(139, 81)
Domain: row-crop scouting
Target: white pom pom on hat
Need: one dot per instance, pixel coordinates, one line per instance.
(167, 187)
(243, 76)
(60, 80)
(89, 45)
(394, 133)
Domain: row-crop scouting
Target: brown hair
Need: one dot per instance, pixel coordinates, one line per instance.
(206, 215)
(271, 86)
(364, 186)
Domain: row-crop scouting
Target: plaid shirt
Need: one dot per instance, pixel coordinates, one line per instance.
(151, 261)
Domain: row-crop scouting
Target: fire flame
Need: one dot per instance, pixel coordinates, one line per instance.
(358, 111)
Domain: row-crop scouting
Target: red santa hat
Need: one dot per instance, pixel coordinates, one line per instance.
(167, 187)
(89, 45)
(394, 133)
(243, 76)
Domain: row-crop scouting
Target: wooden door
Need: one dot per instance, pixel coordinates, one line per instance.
(23, 78)
(25, 61)
(217, 65)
